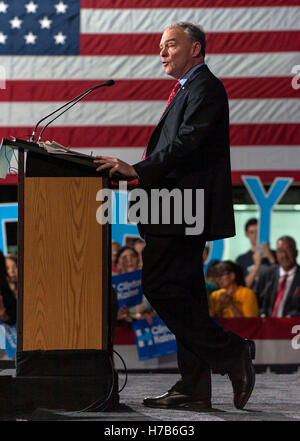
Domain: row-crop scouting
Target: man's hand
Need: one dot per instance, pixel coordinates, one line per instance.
(268, 253)
(116, 166)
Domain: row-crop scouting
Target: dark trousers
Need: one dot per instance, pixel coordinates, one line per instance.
(173, 282)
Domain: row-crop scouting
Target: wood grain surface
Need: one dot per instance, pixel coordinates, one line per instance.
(62, 294)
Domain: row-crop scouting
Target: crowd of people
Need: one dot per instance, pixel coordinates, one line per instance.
(8, 288)
(126, 259)
(260, 283)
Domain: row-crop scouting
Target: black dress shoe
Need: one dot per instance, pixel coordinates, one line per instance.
(176, 400)
(242, 375)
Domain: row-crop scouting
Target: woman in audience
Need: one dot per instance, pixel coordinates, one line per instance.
(233, 299)
(115, 246)
(127, 260)
(8, 302)
(11, 263)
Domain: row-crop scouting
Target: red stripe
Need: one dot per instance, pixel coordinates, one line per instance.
(142, 4)
(266, 176)
(217, 43)
(262, 329)
(264, 134)
(251, 328)
(138, 136)
(139, 90)
(10, 180)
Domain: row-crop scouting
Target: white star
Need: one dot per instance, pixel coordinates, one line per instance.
(3, 38)
(45, 23)
(60, 7)
(15, 23)
(3, 7)
(59, 38)
(30, 38)
(31, 7)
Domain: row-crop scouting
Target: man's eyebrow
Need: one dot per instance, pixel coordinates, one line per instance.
(167, 41)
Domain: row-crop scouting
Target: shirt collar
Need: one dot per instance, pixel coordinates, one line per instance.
(291, 272)
(189, 73)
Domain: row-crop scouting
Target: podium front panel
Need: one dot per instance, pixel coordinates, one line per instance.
(63, 265)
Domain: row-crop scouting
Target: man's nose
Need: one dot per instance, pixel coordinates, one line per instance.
(163, 52)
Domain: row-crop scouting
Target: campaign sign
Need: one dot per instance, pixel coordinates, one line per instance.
(128, 287)
(8, 339)
(153, 340)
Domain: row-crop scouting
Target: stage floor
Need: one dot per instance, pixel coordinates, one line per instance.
(275, 398)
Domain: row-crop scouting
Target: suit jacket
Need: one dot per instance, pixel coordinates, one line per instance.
(189, 149)
(266, 291)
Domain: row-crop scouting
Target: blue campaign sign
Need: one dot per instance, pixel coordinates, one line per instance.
(8, 339)
(153, 340)
(128, 287)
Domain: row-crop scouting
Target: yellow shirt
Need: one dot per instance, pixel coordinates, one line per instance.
(244, 299)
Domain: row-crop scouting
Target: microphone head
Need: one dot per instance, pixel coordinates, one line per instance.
(110, 83)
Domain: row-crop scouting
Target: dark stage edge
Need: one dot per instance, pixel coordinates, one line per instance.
(275, 398)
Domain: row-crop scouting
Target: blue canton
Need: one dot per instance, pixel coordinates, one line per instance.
(39, 27)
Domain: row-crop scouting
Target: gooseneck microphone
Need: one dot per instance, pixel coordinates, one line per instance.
(74, 101)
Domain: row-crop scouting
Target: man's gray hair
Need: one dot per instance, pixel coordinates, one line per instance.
(193, 31)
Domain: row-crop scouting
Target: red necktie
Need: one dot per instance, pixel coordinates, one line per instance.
(173, 93)
(279, 295)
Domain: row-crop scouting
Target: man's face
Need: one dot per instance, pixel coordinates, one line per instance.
(251, 233)
(286, 254)
(178, 54)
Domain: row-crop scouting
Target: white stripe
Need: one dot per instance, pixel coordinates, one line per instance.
(131, 155)
(242, 158)
(276, 351)
(264, 111)
(128, 113)
(212, 19)
(248, 159)
(265, 158)
(142, 67)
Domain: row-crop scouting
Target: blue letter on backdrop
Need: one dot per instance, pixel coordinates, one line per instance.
(266, 201)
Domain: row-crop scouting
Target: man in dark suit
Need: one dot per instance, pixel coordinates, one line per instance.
(189, 150)
(278, 287)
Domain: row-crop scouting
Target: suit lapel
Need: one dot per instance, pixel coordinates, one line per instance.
(295, 284)
(183, 90)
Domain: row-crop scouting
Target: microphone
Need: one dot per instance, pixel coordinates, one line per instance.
(74, 101)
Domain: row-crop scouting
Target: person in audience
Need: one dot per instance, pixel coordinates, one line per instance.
(139, 246)
(278, 287)
(233, 299)
(8, 302)
(115, 246)
(257, 257)
(205, 254)
(127, 260)
(211, 277)
(11, 263)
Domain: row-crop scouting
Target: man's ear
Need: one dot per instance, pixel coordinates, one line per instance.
(196, 48)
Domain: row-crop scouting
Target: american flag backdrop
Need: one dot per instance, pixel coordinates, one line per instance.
(52, 50)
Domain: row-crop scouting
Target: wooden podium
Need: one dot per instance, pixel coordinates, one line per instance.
(64, 326)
